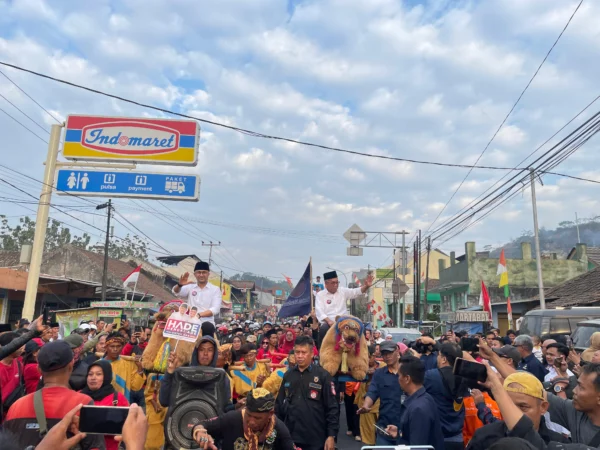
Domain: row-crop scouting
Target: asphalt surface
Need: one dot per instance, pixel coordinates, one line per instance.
(346, 442)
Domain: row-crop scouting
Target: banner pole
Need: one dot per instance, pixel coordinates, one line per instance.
(312, 300)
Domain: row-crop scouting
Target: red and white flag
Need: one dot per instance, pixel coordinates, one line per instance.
(357, 281)
(289, 280)
(484, 300)
(133, 276)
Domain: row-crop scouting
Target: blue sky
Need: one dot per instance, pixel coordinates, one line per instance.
(427, 80)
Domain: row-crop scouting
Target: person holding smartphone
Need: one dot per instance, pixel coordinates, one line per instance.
(420, 419)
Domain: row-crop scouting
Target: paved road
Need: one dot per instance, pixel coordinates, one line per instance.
(346, 442)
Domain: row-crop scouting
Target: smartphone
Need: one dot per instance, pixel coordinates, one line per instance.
(558, 361)
(469, 344)
(123, 318)
(470, 370)
(45, 316)
(382, 430)
(139, 329)
(102, 419)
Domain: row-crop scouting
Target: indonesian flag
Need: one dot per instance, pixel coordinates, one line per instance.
(503, 272)
(484, 300)
(132, 277)
(288, 279)
(509, 311)
(357, 281)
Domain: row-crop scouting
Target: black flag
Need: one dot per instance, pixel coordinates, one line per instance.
(299, 302)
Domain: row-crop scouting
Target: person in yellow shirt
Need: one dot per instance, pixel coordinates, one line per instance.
(368, 420)
(251, 374)
(128, 374)
(273, 383)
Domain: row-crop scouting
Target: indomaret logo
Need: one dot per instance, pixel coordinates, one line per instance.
(130, 138)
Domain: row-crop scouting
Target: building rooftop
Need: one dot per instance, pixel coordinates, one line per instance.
(583, 290)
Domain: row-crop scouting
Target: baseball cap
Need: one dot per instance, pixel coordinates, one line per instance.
(31, 347)
(388, 346)
(23, 322)
(528, 384)
(54, 356)
(251, 338)
(508, 351)
(74, 340)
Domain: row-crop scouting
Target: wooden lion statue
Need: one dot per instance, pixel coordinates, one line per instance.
(156, 354)
(344, 348)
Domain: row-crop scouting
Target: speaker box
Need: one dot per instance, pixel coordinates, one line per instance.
(197, 394)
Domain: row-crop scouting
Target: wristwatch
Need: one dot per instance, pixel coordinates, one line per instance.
(558, 389)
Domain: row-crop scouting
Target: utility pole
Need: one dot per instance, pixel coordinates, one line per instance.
(538, 253)
(427, 277)
(577, 225)
(41, 223)
(107, 205)
(211, 244)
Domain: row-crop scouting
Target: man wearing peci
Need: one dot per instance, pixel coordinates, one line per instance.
(331, 302)
(205, 296)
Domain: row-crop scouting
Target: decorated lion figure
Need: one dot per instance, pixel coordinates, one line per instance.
(156, 355)
(344, 348)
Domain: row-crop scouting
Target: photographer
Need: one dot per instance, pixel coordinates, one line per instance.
(521, 393)
(448, 392)
(425, 347)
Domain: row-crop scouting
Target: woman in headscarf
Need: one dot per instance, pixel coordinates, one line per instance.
(99, 387)
(287, 343)
(31, 374)
(236, 345)
(588, 353)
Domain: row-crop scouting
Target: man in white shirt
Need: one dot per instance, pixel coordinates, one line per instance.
(554, 351)
(331, 302)
(205, 296)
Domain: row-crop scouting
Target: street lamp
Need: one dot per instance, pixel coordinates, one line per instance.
(346, 278)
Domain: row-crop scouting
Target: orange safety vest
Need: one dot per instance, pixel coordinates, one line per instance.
(472, 422)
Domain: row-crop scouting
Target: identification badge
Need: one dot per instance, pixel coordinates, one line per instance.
(314, 386)
(329, 302)
(316, 379)
(313, 394)
(332, 388)
(194, 293)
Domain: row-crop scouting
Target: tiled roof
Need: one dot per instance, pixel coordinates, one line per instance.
(9, 259)
(583, 290)
(594, 254)
(94, 263)
(242, 284)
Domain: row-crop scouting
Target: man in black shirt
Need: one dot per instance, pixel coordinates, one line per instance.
(529, 362)
(307, 401)
(252, 428)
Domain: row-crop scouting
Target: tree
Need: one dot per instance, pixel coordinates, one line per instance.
(57, 235)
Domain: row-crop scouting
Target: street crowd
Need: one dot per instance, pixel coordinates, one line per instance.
(521, 392)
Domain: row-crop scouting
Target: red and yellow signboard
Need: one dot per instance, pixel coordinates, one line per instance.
(140, 140)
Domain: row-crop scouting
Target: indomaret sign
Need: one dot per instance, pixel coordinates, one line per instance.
(141, 140)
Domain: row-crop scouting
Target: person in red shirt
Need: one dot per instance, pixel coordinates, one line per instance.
(99, 388)
(31, 373)
(138, 339)
(11, 371)
(271, 351)
(55, 361)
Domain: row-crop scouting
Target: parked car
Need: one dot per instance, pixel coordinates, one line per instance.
(583, 333)
(541, 322)
(404, 335)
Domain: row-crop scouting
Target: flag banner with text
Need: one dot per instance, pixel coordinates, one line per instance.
(182, 326)
(299, 301)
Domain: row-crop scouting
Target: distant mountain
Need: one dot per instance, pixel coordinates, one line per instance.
(265, 283)
(560, 240)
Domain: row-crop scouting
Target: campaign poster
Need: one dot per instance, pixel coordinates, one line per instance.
(183, 324)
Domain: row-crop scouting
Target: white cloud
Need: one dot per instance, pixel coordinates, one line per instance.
(431, 106)
(257, 159)
(353, 174)
(511, 135)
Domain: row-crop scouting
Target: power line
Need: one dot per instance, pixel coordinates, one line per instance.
(24, 126)
(30, 97)
(140, 231)
(572, 177)
(250, 132)
(26, 115)
(506, 117)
